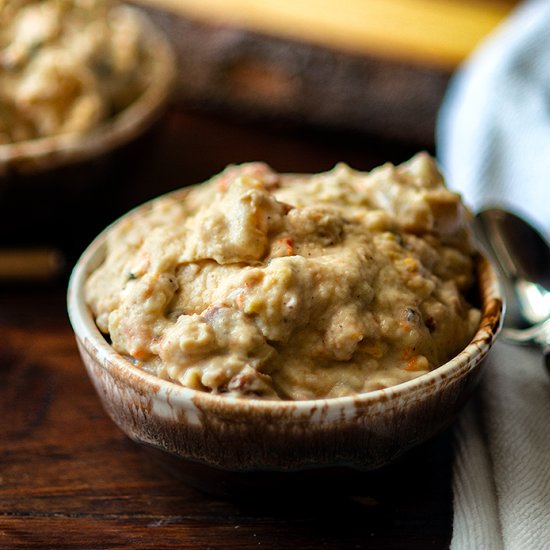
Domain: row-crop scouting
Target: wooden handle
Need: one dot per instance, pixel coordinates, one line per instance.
(30, 264)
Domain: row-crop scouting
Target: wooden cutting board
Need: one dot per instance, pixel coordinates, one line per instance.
(374, 66)
(434, 32)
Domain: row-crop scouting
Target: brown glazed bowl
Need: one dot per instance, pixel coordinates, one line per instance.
(364, 431)
(47, 153)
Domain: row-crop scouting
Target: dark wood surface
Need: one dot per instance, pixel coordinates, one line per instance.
(68, 477)
(267, 77)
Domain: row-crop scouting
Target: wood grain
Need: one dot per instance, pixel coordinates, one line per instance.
(370, 66)
(70, 479)
(267, 78)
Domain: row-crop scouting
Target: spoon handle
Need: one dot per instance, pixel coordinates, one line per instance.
(544, 342)
(538, 334)
(546, 355)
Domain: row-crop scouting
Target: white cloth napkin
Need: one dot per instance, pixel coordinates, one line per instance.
(494, 127)
(493, 143)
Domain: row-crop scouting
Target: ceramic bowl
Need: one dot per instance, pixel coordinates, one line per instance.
(364, 431)
(39, 155)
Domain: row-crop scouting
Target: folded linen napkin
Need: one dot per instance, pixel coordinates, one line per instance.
(493, 143)
(494, 126)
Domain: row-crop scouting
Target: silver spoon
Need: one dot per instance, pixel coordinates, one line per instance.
(522, 256)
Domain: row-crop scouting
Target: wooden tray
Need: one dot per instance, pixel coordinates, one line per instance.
(370, 66)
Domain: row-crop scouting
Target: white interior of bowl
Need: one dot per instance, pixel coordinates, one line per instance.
(53, 151)
(86, 330)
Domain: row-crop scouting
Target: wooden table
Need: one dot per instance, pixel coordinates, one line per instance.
(70, 479)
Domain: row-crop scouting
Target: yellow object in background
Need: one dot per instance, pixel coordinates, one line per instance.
(437, 33)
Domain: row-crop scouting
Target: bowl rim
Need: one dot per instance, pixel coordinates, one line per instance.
(92, 339)
(58, 150)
